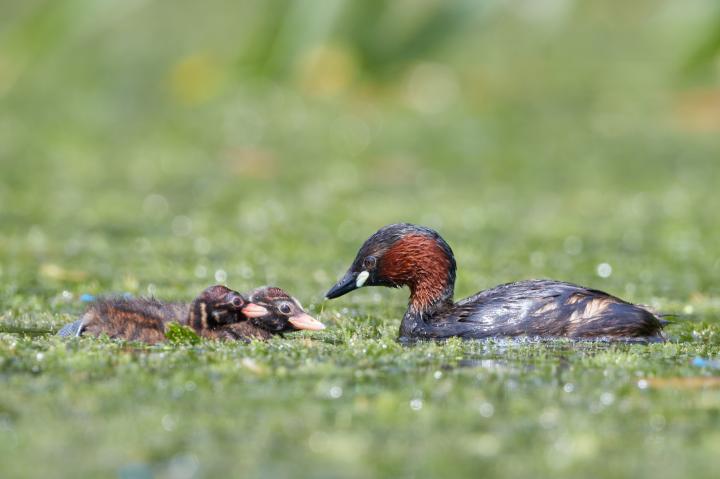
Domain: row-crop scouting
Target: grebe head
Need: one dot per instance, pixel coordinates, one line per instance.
(403, 254)
(219, 305)
(273, 310)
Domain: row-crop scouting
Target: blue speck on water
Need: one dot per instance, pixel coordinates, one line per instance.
(705, 363)
(86, 298)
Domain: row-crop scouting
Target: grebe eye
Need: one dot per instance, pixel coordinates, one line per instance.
(285, 308)
(237, 301)
(370, 262)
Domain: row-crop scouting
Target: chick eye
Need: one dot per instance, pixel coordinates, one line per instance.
(237, 301)
(369, 262)
(285, 308)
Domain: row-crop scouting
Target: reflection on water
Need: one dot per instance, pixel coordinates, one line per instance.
(555, 344)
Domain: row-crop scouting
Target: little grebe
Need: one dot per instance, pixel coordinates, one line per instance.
(415, 256)
(217, 313)
(272, 311)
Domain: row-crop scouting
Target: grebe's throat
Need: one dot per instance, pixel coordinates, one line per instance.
(426, 265)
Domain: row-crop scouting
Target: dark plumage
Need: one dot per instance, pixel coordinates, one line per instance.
(417, 257)
(217, 313)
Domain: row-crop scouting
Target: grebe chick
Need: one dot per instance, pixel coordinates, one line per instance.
(145, 319)
(217, 313)
(273, 311)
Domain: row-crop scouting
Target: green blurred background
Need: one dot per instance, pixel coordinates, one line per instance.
(155, 147)
(132, 129)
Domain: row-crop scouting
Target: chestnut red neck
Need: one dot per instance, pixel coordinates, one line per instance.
(426, 265)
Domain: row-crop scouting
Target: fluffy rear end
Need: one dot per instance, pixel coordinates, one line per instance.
(132, 320)
(622, 320)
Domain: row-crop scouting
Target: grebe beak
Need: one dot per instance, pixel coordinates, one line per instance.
(253, 310)
(348, 283)
(305, 321)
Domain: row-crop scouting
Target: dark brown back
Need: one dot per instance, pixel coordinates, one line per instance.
(134, 319)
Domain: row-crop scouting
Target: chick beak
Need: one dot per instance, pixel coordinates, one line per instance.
(305, 321)
(345, 285)
(252, 310)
